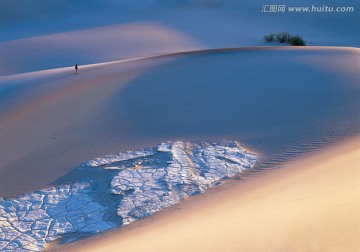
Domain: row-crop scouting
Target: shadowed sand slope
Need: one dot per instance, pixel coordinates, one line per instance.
(94, 45)
(48, 34)
(282, 102)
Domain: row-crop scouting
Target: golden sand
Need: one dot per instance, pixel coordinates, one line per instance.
(308, 205)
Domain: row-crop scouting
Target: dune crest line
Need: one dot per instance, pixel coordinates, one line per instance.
(195, 52)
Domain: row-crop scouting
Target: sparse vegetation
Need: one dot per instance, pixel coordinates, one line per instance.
(297, 41)
(269, 38)
(285, 37)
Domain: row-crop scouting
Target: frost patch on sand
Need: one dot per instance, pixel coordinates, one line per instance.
(29, 222)
(142, 182)
(171, 172)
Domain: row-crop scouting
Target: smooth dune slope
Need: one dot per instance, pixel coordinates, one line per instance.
(54, 121)
(38, 35)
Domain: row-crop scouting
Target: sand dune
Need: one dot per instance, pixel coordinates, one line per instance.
(308, 205)
(56, 120)
(44, 35)
(281, 102)
(94, 45)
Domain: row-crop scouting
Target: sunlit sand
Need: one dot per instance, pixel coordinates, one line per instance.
(181, 130)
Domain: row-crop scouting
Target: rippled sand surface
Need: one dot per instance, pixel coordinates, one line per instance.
(280, 102)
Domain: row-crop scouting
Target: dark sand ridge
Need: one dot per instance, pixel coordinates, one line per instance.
(282, 102)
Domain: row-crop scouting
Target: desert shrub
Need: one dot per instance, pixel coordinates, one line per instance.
(297, 41)
(285, 37)
(269, 38)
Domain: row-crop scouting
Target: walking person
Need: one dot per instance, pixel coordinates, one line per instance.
(76, 68)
